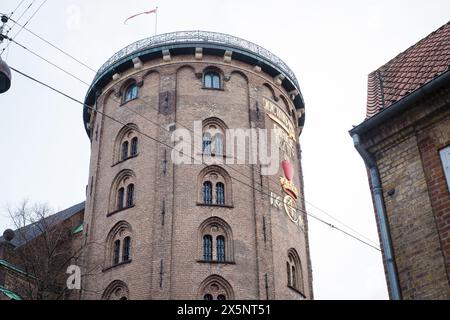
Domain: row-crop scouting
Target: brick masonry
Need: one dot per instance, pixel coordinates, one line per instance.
(166, 218)
(416, 195)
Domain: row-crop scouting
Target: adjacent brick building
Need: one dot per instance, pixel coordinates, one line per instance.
(160, 230)
(34, 258)
(405, 142)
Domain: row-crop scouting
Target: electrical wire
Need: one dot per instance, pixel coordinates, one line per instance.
(29, 19)
(171, 147)
(70, 74)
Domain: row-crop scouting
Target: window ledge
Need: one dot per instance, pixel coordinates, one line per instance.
(117, 211)
(227, 206)
(125, 102)
(213, 89)
(125, 160)
(216, 262)
(117, 265)
(298, 291)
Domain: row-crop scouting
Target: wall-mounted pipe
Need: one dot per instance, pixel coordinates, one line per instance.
(381, 217)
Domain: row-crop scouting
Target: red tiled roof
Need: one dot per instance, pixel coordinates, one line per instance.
(410, 70)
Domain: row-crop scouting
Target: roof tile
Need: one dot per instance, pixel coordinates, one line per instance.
(410, 70)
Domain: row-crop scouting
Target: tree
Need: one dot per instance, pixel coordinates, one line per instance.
(46, 246)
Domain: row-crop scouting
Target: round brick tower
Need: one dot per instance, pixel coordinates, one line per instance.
(162, 222)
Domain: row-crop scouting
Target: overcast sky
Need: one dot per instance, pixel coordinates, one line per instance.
(330, 45)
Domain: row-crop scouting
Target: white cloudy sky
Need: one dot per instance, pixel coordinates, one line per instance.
(330, 45)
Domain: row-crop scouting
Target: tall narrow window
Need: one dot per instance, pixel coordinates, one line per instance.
(120, 199)
(294, 277)
(208, 297)
(207, 192)
(220, 193)
(221, 249)
(116, 255)
(212, 80)
(207, 144)
(134, 147)
(288, 268)
(126, 249)
(125, 150)
(221, 297)
(218, 144)
(131, 93)
(130, 195)
(207, 248)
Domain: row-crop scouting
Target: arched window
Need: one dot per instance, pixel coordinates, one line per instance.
(118, 245)
(220, 248)
(130, 195)
(134, 146)
(124, 150)
(213, 137)
(216, 241)
(126, 144)
(207, 192)
(220, 193)
(294, 271)
(121, 199)
(116, 255)
(117, 290)
(214, 187)
(207, 248)
(215, 288)
(131, 92)
(211, 80)
(126, 249)
(123, 192)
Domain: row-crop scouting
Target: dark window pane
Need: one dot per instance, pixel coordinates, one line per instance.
(220, 248)
(218, 144)
(208, 297)
(120, 199)
(116, 255)
(134, 147)
(216, 81)
(131, 93)
(207, 192)
(220, 193)
(207, 144)
(125, 150)
(208, 81)
(294, 277)
(207, 248)
(221, 297)
(126, 249)
(288, 268)
(130, 195)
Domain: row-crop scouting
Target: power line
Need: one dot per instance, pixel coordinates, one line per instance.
(157, 124)
(20, 17)
(171, 147)
(29, 19)
(54, 46)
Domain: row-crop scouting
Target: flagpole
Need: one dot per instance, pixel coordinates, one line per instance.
(156, 21)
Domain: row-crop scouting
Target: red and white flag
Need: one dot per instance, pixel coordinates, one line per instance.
(139, 14)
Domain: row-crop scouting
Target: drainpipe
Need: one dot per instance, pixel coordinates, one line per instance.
(381, 217)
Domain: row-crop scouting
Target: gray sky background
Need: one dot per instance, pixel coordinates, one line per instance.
(331, 46)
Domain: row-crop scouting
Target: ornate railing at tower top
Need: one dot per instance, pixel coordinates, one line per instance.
(198, 36)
